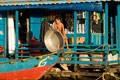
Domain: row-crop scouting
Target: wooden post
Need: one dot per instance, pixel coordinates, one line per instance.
(75, 30)
(111, 30)
(17, 32)
(106, 24)
(87, 36)
(105, 35)
(28, 30)
(118, 30)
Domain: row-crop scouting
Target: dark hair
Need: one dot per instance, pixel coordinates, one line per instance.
(58, 17)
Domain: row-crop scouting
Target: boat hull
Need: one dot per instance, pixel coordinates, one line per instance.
(29, 74)
(29, 69)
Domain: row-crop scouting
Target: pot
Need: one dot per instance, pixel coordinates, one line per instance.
(53, 40)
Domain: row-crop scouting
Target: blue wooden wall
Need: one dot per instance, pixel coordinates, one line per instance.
(3, 28)
(35, 25)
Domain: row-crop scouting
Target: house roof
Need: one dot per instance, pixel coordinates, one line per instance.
(52, 4)
(36, 2)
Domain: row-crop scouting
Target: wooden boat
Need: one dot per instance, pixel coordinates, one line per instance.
(27, 69)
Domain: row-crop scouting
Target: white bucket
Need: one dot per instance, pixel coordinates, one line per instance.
(97, 59)
(84, 59)
(112, 58)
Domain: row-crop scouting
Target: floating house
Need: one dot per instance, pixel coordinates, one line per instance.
(92, 28)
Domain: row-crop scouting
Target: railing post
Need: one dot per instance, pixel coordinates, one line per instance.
(106, 24)
(75, 30)
(87, 36)
(118, 30)
(105, 41)
(17, 32)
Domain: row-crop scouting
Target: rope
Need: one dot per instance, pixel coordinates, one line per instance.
(110, 73)
(97, 48)
(92, 49)
(70, 52)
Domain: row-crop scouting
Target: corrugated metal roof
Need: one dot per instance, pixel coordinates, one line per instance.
(36, 2)
(53, 0)
(94, 6)
(23, 4)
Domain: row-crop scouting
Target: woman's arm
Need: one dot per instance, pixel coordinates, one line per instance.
(54, 26)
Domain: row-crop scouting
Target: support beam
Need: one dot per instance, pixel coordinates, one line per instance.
(75, 30)
(111, 30)
(17, 32)
(105, 34)
(6, 34)
(87, 36)
(106, 24)
(118, 30)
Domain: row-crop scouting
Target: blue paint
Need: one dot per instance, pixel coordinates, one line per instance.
(75, 30)
(10, 2)
(17, 32)
(75, 57)
(95, 6)
(118, 30)
(96, 38)
(28, 64)
(6, 34)
(116, 23)
(111, 29)
(106, 24)
(105, 41)
(87, 37)
(3, 29)
(35, 25)
(4, 60)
